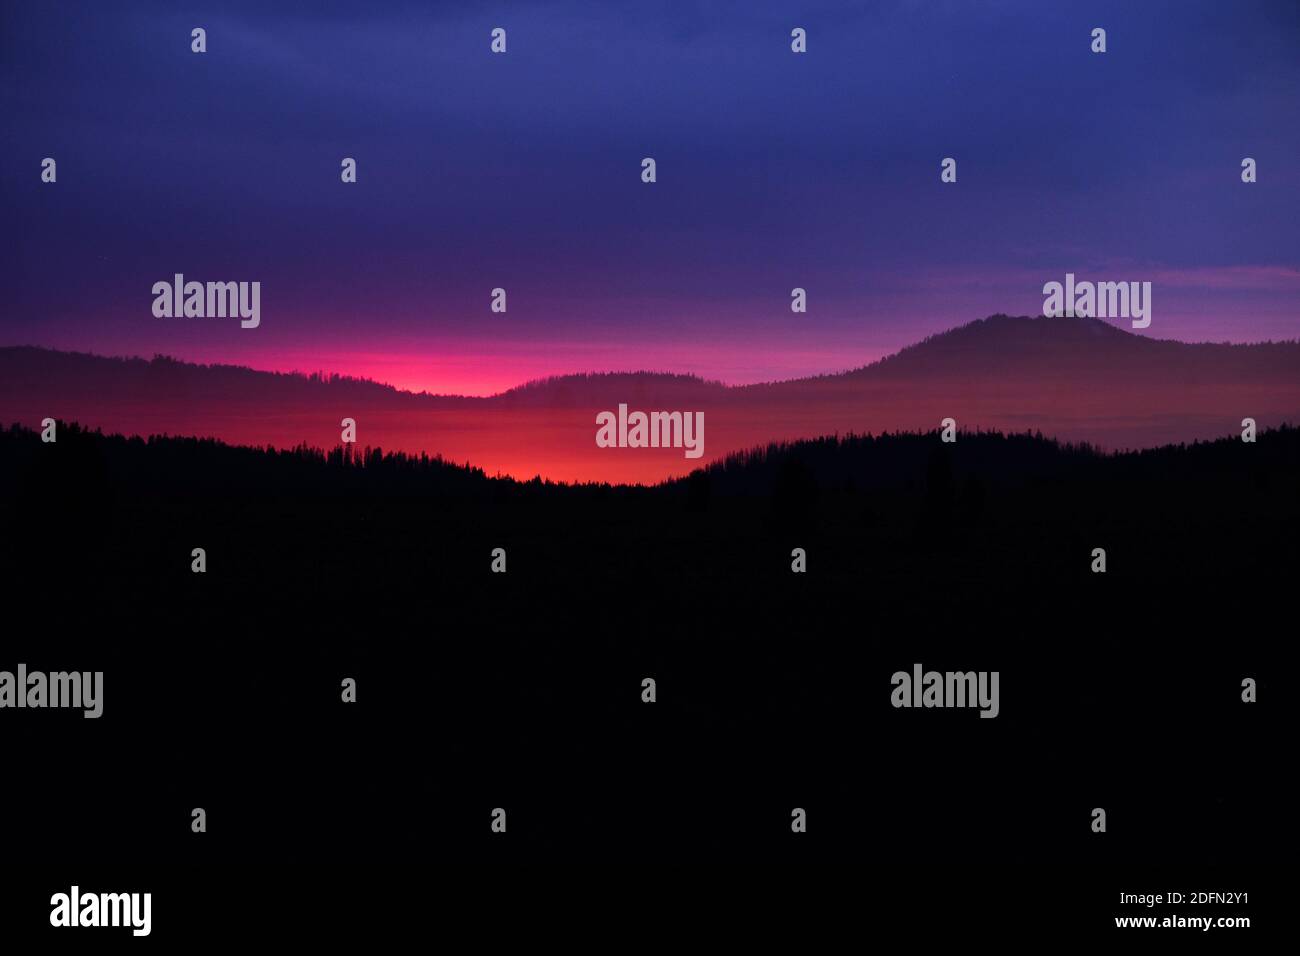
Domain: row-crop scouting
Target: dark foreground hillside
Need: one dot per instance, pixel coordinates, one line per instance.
(522, 690)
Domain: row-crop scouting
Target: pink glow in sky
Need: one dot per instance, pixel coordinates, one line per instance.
(736, 343)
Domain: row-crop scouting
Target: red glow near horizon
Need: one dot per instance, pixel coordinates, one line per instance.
(489, 366)
(476, 370)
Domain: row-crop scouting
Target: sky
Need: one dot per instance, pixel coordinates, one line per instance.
(523, 171)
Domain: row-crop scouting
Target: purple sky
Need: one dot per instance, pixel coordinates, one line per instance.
(522, 170)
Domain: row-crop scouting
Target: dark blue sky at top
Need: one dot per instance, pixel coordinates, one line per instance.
(775, 170)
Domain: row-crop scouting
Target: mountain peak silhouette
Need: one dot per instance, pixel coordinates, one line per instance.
(1077, 379)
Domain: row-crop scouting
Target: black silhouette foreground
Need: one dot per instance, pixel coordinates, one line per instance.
(522, 690)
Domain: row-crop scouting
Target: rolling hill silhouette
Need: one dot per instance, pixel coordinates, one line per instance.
(1075, 379)
(774, 686)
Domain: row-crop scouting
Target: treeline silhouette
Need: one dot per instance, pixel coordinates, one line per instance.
(186, 465)
(847, 463)
(934, 501)
(522, 689)
(1078, 379)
